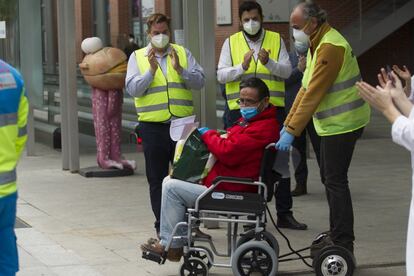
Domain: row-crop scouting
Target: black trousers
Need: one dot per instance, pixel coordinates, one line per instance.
(336, 156)
(159, 152)
(282, 192)
(301, 167)
(283, 196)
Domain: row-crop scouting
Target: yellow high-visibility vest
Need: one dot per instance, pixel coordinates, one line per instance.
(168, 95)
(238, 48)
(341, 109)
(13, 118)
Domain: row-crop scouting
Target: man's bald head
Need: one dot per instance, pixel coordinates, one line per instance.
(307, 14)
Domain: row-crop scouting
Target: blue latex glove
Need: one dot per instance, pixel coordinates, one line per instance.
(203, 130)
(282, 131)
(285, 141)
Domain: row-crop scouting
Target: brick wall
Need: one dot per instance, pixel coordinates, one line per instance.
(397, 48)
(120, 26)
(163, 6)
(84, 24)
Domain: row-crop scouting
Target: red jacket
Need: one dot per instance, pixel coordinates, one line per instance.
(240, 154)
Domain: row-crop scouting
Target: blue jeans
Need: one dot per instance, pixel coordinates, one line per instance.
(9, 262)
(177, 196)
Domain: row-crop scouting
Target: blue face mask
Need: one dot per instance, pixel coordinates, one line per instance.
(248, 112)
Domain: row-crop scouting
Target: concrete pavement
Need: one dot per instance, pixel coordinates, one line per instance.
(82, 226)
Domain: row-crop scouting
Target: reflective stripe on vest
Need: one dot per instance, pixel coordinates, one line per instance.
(22, 131)
(8, 119)
(339, 109)
(332, 115)
(167, 95)
(238, 48)
(7, 177)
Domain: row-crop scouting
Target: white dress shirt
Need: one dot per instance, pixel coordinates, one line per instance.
(227, 72)
(403, 134)
(137, 83)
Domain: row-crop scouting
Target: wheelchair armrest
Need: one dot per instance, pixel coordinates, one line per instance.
(219, 179)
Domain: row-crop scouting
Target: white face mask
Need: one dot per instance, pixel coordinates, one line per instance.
(300, 36)
(160, 41)
(301, 47)
(251, 27)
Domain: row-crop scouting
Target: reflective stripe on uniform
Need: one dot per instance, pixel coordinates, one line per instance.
(7, 177)
(149, 108)
(181, 102)
(233, 96)
(8, 119)
(177, 85)
(164, 87)
(260, 76)
(277, 93)
(344, 85)
(156, 89)
(22, 131)
(339, 109)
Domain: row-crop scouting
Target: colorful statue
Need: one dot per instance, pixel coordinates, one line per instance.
(105, 69)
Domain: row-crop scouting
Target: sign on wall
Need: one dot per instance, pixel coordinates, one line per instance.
(223, 12)
(2, 29)
(275, 10)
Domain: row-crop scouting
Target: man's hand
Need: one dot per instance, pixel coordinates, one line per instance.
(285, 141)
(404, 74)
(175, 61)
(383, 79)
(378, 97)
(302, 63)
(247, 59)
(152, 61)
(263, 56)
(203, 130)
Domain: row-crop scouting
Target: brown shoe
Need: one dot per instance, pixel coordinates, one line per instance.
(201, 235)
(173, 255)
(299, 190)
(152, 240)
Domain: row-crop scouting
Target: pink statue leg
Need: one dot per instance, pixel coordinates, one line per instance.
(102, 129)
(115, 99)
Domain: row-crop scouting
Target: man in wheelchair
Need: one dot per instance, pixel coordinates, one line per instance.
(238, 155)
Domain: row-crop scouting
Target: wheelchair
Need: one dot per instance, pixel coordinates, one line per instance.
(255, 251)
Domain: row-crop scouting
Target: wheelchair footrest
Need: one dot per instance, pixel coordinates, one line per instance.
(151, 256)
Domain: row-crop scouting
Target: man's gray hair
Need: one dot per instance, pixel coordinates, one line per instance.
(311, 9)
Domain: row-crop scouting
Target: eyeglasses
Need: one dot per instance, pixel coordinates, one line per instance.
(246, 102)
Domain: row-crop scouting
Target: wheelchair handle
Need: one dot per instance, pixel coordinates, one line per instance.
(271, 145)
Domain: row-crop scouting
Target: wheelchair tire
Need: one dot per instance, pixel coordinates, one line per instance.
(254, 256)
(203, 256)
(194, 266)
(334, 261)
(265, 236)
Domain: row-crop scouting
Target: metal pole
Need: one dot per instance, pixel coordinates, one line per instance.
(101, 19)
(207, 61)
(191, 41)
(31, 60)
(67, 84)
(176, 18)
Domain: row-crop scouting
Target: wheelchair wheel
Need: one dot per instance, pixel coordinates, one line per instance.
(203, 256)
(194, 267)
(334, 261)
(254, 257)
(265, 236)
